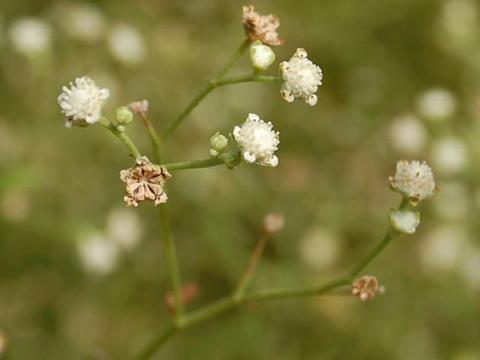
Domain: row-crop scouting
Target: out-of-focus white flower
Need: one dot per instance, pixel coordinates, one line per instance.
(470, 267)
(436, 104)
(3, 342)
(30, 36)
(98, 254)
(459, 18)
(449, 155)
(126, 44)
(273, 223)
(319, 248)
(124, 228)
(261, 56)
(454, 202)
(442, 248)
(404, 221)
(413, 180)
(408, 134)
(82, 101)
(257, 140)
(82, 21)
(302, 78)
(15, 205)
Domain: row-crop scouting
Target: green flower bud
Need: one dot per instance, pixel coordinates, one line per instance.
(404, 221)
(218, 142)
(213, 153)
(123, 115)
(261, 56)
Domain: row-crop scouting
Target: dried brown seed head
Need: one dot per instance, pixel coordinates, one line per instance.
(261, 27)
(365, 287)
(144, 182)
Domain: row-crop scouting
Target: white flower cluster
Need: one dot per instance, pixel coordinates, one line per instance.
(82, 101)
(302, 78)
(257, 140)
(413, 180)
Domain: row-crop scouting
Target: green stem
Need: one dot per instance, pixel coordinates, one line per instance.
(156, 343)
(122, 136)
(171, 259)
(226, 158)
(233, 59)
(371, 256)
(156, 143)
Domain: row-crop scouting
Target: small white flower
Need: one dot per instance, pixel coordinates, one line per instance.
(30, 36)
(302, 78)
(257, 140)
(261, 56)
(82, 101)
(404, 221)
(127, 45)
(413, 180)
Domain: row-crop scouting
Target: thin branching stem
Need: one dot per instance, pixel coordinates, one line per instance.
(231, 157)
(132, 149)
(217, 81)
(156, 143)
(252, 264)
(171, 259)
(224, 304)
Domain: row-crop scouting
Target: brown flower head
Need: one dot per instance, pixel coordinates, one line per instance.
(365, 287)
(261, 27)
(144, 182)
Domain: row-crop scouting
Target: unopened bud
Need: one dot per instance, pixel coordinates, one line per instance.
(261, 56)
(213, 153)
(123, 115)
(218, 142)
(404, 221)
(139, 106)
(188, 292)
(273, 223)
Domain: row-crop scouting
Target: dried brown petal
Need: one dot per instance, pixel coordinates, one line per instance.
(144, 182)
(261, 27)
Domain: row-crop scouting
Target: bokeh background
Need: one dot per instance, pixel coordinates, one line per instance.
(83, 277)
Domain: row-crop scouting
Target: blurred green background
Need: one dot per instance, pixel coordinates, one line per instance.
(83, 277)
